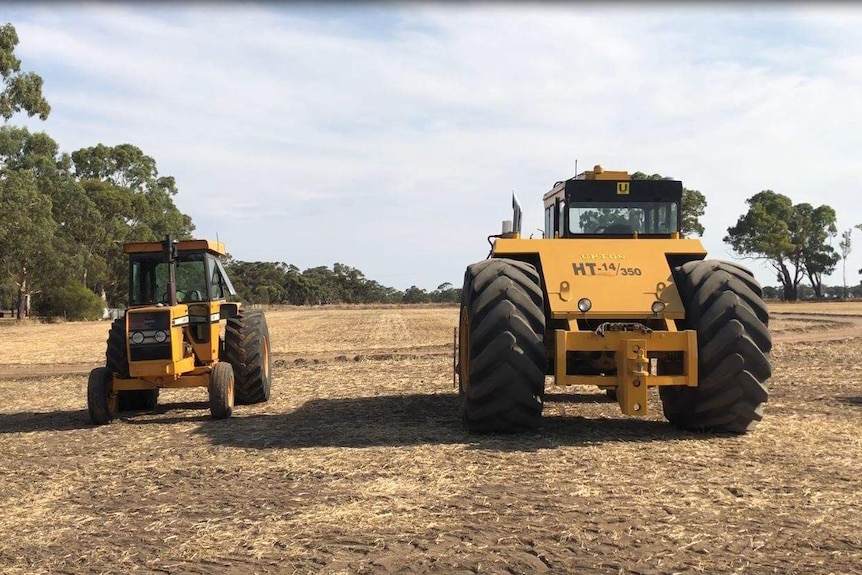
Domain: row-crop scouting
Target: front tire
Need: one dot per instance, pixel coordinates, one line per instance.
(247, 349)
(221, 390)
(724, 304)
(101, 400)
(502, 350)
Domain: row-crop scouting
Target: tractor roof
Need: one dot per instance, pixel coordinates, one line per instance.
(182, 246)
(604, 185)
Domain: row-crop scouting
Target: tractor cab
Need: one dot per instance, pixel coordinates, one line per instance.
(199, 274)
(602, 203)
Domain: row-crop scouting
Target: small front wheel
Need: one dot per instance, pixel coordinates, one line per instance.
(221, 390)
(102, 402)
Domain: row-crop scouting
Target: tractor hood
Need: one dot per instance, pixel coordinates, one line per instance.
(621, 278)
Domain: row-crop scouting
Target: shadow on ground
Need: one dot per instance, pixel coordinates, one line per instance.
(29, 422)
(585, 398)
(190, 411)
(415, 419)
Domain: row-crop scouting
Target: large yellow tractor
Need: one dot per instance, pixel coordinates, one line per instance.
(171, 335)
(612, 295)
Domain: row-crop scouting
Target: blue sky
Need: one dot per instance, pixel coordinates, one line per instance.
(390, 136)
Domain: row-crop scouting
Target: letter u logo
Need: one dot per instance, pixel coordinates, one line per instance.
(622, 188)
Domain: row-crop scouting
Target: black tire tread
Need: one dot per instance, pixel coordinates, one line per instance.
(245, 336)
(220, 380)
(504, 301)
(98, 391)
(722, 276)
(724, 305)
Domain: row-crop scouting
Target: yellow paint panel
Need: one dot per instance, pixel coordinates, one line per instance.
(185, 245)
(621, 277)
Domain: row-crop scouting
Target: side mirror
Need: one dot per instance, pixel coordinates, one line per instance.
(228, 310)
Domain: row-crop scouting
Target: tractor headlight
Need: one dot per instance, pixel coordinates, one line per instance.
(658, 306)
(584, 304)
(160, 336)
(137, 337)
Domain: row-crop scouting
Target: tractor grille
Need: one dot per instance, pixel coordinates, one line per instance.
(152, 351)
(150, 336)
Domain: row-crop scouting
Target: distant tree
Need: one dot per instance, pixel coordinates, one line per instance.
(27, 233)
(813, 229)
(22, 91)
(415, 294)
(38, 156)
(764, 232)
(72, 301)
(446, 293)
(771, 292)
(793, 239)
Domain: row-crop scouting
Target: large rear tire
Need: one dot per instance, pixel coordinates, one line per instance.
(501, 347)
(247, 349)
(724, 304)
(117, 362)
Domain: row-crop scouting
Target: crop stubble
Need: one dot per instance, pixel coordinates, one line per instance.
(358, 464)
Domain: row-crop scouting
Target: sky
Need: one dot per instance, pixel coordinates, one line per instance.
(390, 136)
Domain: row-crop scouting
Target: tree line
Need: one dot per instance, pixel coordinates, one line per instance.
(281, 283)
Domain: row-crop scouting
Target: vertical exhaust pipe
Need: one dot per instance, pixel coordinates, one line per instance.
(170, 254)
(516, 215)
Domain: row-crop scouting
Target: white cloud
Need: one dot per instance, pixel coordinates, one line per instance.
(391, 137)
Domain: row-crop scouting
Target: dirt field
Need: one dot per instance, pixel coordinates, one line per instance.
(358, 464)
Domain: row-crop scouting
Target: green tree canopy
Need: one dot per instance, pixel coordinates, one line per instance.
(22, 91)
(793, 239)
(26, 235)
(813, 228)
(133, 203)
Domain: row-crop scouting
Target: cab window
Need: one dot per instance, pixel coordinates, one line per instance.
(647, 218)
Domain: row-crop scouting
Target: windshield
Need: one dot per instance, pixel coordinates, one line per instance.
(149, 280)
(627, 218)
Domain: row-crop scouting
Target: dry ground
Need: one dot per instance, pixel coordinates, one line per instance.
(358, 464)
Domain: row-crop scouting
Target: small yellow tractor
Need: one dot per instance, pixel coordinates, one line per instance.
(171, 334)
(612, 295)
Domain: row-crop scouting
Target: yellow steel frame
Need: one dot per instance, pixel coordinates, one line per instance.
(633, 374)
(199, 377)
